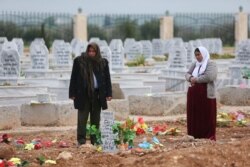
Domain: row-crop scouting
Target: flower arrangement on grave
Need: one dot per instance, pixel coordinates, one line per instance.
(140, 127)
(124, 132)
(229, 119)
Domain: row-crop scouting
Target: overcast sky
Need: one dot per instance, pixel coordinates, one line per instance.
(125, 6)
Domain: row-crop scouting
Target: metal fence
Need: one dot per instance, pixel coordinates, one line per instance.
(205, 25)
(188, 26)
(28, 26)
(110, 26)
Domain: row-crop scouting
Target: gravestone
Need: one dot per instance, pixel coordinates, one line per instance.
(20, 45)
(94, 39)
(39, 57)
(196, 43)
(74, 42)
(117, 51)
(147, 48)
(102, 43)
(108, 138)
(106, 53)
(78, 47)
(56, 45)
(62, 54)
(158, 47)
(2, 41)
(178, 58)
(10, 63)
(127, 43)
(190, 53)
(133, 51)
(178, 42)
(39, 40)
(168, 44)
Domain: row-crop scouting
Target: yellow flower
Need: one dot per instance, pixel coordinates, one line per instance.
(16, 161)
(29, 146)
(144, 126)
(99, 148)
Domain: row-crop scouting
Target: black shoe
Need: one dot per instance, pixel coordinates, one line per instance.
(81, 142)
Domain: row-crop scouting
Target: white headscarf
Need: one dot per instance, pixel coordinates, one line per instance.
(203, 63)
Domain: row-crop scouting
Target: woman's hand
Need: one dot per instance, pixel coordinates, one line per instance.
(193, 80)
(108, 98)
(72, 98)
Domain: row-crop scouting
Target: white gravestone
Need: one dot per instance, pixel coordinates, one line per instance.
(102, 43)
(196, 43)
(168, 44)
(147, 48)
(39, 57)
(56, 44)
(108, 138)
(78, 46)
(94, 39)
(62, 54)
(39, 40)
(178, 58)
(178, 42)
(127, 44)
(190, 53)
(117, 50)
(20, 45)
(158, 47)
(107, 54)
(10, 61)
(134, 51)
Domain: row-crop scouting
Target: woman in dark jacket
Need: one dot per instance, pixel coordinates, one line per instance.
(90, 88)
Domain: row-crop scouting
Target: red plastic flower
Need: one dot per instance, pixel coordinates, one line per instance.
(140, 131)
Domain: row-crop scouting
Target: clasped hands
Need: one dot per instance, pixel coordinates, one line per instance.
(192, 81)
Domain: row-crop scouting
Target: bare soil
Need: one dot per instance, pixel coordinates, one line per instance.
(232, 149)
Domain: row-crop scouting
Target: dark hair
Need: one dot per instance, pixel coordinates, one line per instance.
(197, 50)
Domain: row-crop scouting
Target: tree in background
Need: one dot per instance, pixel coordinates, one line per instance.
(126, 29)
(10, 30)
(150, 29)
(96, 31)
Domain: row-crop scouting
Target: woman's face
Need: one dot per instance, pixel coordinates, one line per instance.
(198, 56)
(91, 52)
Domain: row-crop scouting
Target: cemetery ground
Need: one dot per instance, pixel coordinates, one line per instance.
(231, 148)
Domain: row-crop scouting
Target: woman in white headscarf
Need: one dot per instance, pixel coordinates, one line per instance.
(201, 100)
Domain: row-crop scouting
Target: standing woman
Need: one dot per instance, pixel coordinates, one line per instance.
(90, 88)
(201, 100)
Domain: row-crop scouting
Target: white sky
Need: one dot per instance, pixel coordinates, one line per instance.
(125, 6)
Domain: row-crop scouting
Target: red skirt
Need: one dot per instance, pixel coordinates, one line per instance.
(201, 113)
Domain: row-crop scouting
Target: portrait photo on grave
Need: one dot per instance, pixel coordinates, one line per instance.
(90, 88)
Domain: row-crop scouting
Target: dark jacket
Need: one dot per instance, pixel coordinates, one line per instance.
(78, 85)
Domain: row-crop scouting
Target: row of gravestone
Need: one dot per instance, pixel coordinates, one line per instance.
(10, 57)
(180, 53)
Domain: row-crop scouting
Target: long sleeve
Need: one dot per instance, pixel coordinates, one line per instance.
(73, 79)
(210, 74)
(108, 80)
(189, 73)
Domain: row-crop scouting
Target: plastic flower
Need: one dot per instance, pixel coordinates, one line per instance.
(16, 161)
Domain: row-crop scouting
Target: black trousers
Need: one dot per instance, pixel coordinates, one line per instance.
(92, 107)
